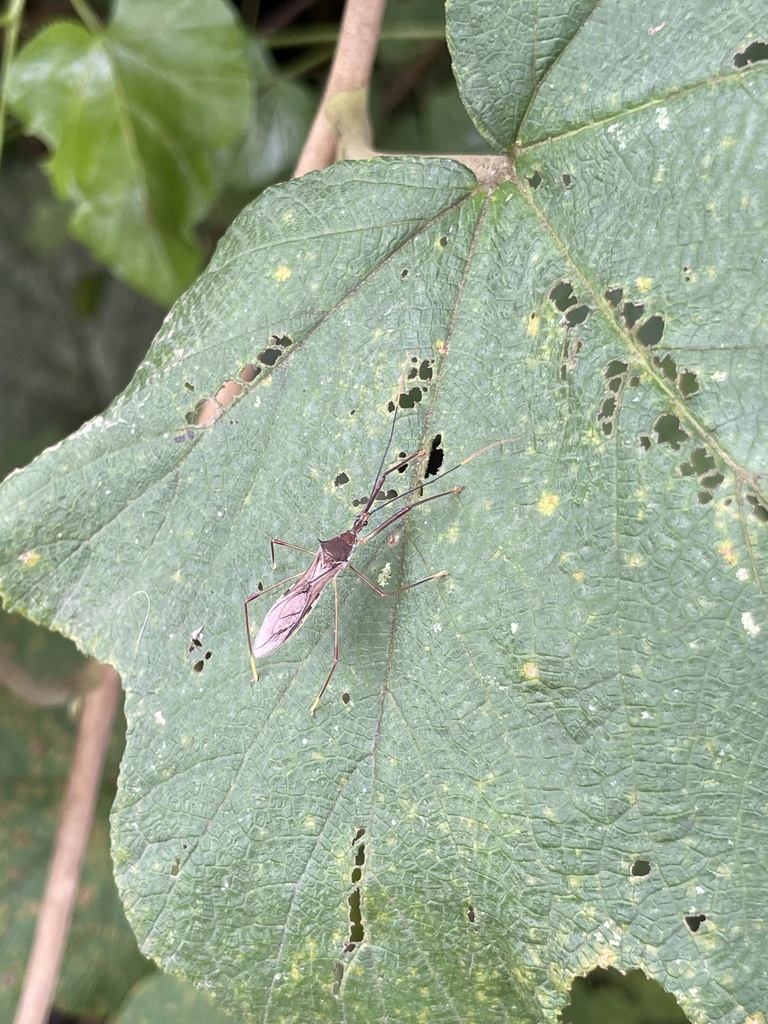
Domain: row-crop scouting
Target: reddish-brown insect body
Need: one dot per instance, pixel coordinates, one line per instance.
(291, 610)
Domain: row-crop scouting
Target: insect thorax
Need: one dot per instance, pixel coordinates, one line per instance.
(338, 549)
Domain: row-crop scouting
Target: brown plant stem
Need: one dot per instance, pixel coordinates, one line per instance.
(350, 74)
(54, 918)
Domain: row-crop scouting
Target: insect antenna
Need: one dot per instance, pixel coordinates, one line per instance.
(428, 483)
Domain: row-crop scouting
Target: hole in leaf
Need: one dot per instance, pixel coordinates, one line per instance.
(340, 480)
(668, 367)
(436, 456)
(345, 698)
(269, 356)
(631, 313)
(471, 915)
(249, 373)
(400, 457)
(562, 296)
(443, 241)
(425, 370)
(404, 274)
(614, 296)
(534, 180)
(410, 399)
(605, 994)
(577, 315)
(283, 340)
(645, 442)
(695, 921)
(175, 867)
(650, 332)
(640, 868)
(568, 180)
(668, 430)
(199, 665)
(751, 54)
(688, 383)
(188, 386)
(196, 638)
(356, 932)
(759, 511)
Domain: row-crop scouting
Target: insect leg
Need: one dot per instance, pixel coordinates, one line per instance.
(409, 586)
(260, 593)
(404, 512)
(285, 544)
(314, 707)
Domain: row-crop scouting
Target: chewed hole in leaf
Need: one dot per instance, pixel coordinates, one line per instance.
(695, 921)
(669, 431)
(175, 867)
(436, 456)
(615, 375)
(668, 367)
(410, 399)
(283, 340)
(269, 356)
(702, 464)
(534, 180)
(751, 54)
(443, 241)
(759, 510)
(404, 273)
(688, 383)
(607, 989)
(563, 296)
(188, 386)
(649, 332)
(640, 868)
(345, 698)
(631, 312)
(356, 931)
(471, 915)
(614, 296)
(577, 315)
(249, 372)
(568, 180)
(340, 480)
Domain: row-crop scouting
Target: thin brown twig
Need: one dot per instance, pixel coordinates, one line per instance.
(54, 918)
(350, 73)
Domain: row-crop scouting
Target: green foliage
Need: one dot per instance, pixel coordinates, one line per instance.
(102, 961)
(553, 759)
(134, 113)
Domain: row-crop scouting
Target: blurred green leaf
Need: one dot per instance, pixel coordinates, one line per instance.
(281, 114)
(134, 114)
(101, 962)
(163, 998)
(551, 760)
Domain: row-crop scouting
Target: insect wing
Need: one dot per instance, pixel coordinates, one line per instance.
(289, 611)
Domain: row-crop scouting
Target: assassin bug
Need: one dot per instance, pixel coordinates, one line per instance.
(291, 610)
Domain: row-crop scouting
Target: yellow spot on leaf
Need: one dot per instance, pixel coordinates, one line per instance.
(644, 284)
(282, 273)
(579, 576)
(30, 558)
(728, 552)
(534, 322)
(635, 561)
(531, 670)
(548, 503)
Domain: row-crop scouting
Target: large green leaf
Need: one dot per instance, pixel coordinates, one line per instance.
(134, 114)
(554, 758)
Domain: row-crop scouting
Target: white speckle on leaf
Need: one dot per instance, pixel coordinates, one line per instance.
(437, 628)
(662, 118)
(514, 626)
(645, 715)
(749, 624)
(304, 742)
(159, 718)
(742, 574)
